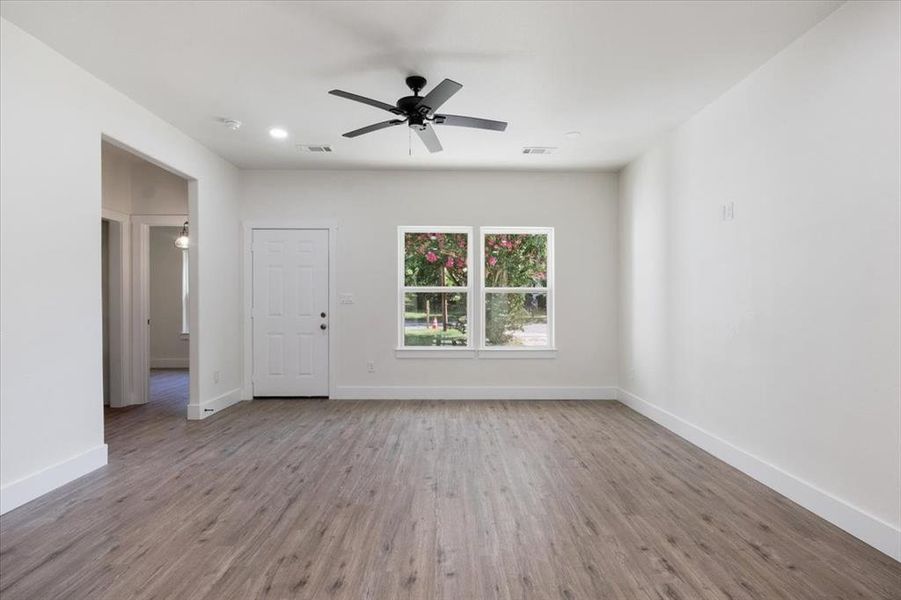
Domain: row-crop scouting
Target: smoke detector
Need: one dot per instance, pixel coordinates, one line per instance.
(232, 124)
(539, 150)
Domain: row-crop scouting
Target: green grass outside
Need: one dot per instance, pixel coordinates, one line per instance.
(432, 337)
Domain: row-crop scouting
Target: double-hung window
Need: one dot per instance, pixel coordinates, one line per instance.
(511, 313)
(517, 295)
(435, 291)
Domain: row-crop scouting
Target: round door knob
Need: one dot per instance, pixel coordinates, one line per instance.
(323, 326)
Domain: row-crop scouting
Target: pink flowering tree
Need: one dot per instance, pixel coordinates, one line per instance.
(435, 259)
(512, 260)
(515, 260)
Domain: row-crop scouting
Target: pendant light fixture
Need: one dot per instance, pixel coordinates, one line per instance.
(182, 240)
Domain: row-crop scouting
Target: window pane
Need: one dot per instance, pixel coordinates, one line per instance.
(516, 320)
(435, 319)
(432, 259)
(515, 260)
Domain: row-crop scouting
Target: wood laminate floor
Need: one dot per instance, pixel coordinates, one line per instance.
(420, 500)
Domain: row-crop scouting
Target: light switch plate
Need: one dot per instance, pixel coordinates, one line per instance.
(729, 211)
(346, 298)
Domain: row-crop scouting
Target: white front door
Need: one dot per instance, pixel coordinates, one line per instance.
(290, 312)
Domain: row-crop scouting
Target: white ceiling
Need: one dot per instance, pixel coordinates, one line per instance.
(620, 72)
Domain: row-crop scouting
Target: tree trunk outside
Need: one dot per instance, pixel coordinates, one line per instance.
(444, 297)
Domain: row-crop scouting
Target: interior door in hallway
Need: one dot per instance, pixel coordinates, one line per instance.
(290, 312)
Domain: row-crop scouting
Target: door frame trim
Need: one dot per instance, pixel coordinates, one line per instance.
(330, 225)
(119, 307)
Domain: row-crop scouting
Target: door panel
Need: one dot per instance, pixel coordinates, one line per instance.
(305, 295)
(290, 293)
(276, 291)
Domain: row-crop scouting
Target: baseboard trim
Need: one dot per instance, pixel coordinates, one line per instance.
(16, 493)
(168, 363)
(877, 533)
(354, 392)
(212, 406)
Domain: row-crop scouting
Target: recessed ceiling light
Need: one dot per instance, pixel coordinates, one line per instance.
(278, 133)
(573, 135)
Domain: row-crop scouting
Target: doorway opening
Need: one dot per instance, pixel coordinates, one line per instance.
(145, 241)
(169, 328)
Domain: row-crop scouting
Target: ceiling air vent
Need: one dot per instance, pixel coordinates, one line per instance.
(538, 150)
(313, 148)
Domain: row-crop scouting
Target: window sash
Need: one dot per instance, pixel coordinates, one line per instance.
(547, 289)
(403, 289)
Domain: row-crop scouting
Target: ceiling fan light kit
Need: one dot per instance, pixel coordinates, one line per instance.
(418, 112)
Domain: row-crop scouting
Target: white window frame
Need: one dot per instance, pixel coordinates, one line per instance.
(185, 293)
(548, 351)
(467, 351)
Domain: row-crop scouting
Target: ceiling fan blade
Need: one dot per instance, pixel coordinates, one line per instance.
(365, 100)
(458, 121)
(438, 96)
(429, 138)
(371, 128)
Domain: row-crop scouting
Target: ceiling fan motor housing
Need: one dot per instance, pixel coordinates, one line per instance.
(416, 83)
(407, 104)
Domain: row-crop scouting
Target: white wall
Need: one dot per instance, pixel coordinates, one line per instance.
(53, 115)
(115, 170)
(773, 339)
(168, 349)
(369, 206)
(134, 186)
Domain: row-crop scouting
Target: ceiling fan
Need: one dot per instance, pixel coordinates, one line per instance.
(418, 112)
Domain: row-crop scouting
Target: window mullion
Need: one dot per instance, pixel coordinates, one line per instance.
(435, 289)
(516, 290)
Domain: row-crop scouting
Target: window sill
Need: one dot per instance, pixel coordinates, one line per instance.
(489, 353)
(517, 353)
(436, 352)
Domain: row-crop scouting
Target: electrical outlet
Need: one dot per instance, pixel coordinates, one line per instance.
(215, 376)
(370, 366)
